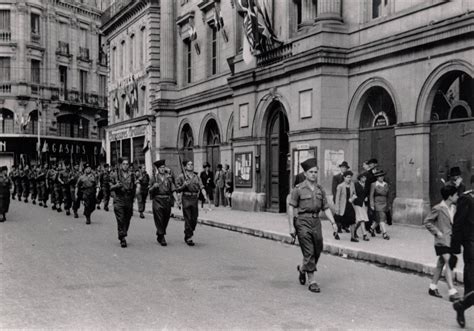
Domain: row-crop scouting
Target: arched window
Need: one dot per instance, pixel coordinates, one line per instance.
(186, 143)
(6, 121)
(378, 109)
(32, 126)
(73, 126)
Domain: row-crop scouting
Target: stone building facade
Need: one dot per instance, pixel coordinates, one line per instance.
(53, 81)
(349, 80)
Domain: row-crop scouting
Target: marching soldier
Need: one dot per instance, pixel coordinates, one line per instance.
(100, 195)
(57, 187)
(41, 185)
(104, 181)
(64, 180)
(32, 182)
(162, 191)
(123, 186)
(25, 183)
(189, 184)
(75, 197)
(17, 178)
(86, 187)
(50, 179)
(13, 174)
(5, 186)
(143, 183)
(307, 199)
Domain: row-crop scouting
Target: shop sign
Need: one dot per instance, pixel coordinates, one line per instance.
(243, 169)
(119, 135)
(139, 131)
(381, 119)
(66, 148)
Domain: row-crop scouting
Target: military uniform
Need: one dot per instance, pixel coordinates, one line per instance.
(41, 186)
(144, 182)
(123, 187)
(189, 186)
(32, 180)
(76, 199)
(104, 181)
(86, 185)
(161, 193)
(12, 179)
(50, 179)
(64, 180)
(25, 183)
(58, 191)
(5, 186)
(17, 180)
(307, 224)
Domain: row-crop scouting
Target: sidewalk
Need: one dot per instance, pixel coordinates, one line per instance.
(410, 248)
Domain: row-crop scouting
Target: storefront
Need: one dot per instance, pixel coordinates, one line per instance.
(23, 150)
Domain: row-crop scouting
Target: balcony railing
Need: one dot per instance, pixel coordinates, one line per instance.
(102, 59)
(5, 88)
(275, 55)
(5, 36)
(36, 38)
(103, 101)
(63, 48)
(117, 6)
(84, 54)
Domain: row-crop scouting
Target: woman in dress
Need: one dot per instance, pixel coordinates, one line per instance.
(379, 192)
(345, 196)
(360, 205)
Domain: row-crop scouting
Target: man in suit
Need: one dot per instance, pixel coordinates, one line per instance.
(220, 186)
(438, 222)
(207, 178)
(336, 180)
(463, 235)
(455, 180)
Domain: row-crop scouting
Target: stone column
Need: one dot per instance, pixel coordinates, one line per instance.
(308, 12)
(329, 11)
(167, 42)
(412, 202)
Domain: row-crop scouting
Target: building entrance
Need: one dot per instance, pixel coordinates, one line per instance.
(213, 141)
(278, 163)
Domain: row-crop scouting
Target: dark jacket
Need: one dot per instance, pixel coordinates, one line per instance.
(463, 225)
(207, 180)
(361, 196)
(336, 180)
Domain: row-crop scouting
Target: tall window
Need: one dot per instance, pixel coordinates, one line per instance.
(131, 52)
(121, 59)
(380, 8)
(35, 72)
(63, 82)
(83, 38)
(6, 121)
(35, 27)
(5, 69)
(113, 64)
(143, 48)
(5, 33)
(102, 85)
(73, 126)
(213, 51)
(83, 84)
(188, 61)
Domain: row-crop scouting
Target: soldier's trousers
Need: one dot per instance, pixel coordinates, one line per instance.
(72, 194)
(123, 210)
(77, 201)
(190, 213)
(100, 196)
(14, 189)
(58, 194)
(34, 191)
(89, 202)
(106, 196)
(51, 194)
(26, 189)
(66, 193)
(310, 238)
(141, 200)
(41, 190)
(161, 213)
(19, 190)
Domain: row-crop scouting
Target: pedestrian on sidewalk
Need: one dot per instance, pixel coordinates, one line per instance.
(360, 205)
(307, 199)
(207, 178)
(379, 203)
(86, 187)
(5, 186)
(162, 191)
(123, 187)
(371, 168)
(336, 180)
(219, 182)
(229, 185)
(455, 180)
(439, 223)
(344, 209)
(463, 235)
(189, 184)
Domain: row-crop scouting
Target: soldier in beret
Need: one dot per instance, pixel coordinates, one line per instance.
(307, 199)
(86, 187)
(5, 186)
(189, 184)
(76, 197)
(25, 182)
(123, 187)
(12, 175)
(162, 191)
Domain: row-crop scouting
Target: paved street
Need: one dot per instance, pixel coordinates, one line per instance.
(58, 272)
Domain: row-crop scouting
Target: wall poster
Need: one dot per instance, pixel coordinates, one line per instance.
(243, 169)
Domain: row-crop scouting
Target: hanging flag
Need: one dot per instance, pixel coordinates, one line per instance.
(102, 147)
(25, 121)
(133, 91)
(46, 148)
(146, 141)
(193, 37)
(219, 22)
(116, 104)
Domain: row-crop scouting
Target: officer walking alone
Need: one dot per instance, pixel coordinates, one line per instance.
(307, 199)
(162, 191)
(86, 187)
(123, 187)
(189, 184)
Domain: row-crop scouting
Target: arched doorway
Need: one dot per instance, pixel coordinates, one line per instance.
(212, 142)
(377, 133)
(186, 143)
(452, 129)
(277, 155)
